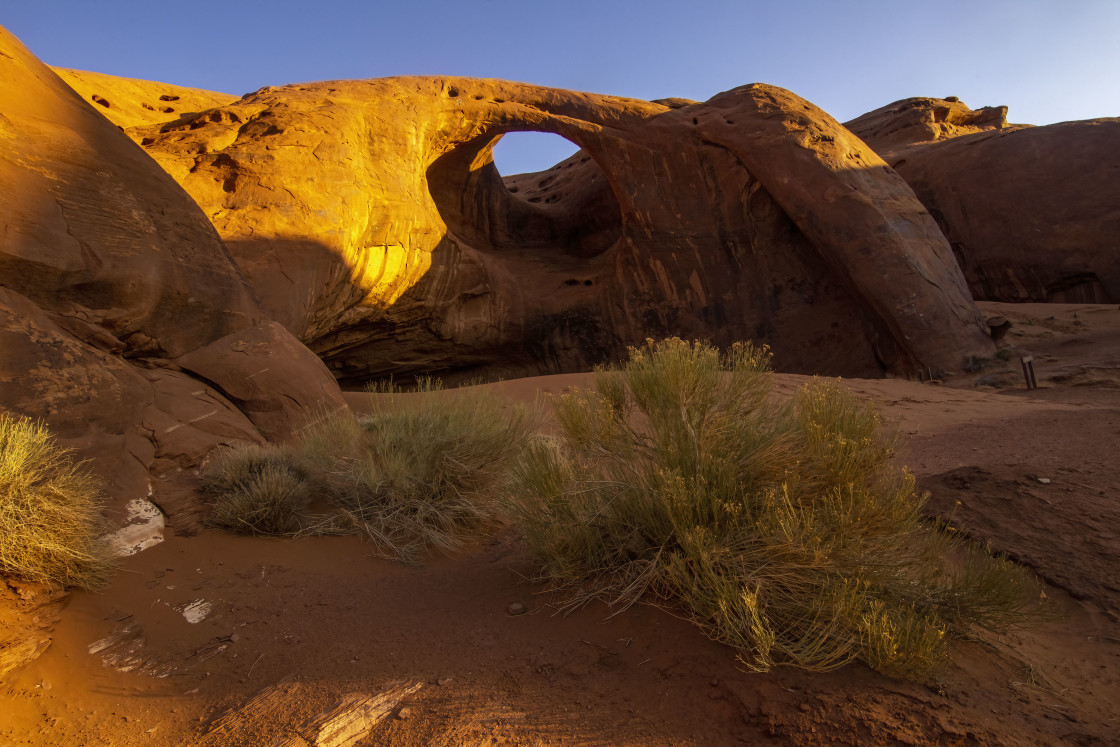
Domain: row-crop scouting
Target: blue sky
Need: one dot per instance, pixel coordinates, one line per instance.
(1048, 61)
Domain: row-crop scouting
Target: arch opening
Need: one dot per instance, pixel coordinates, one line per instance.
(568, 208)
(530, 152)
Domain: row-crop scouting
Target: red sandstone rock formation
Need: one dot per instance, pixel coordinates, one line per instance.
(119, 304)
(898, 126)
(1031, 212)
(128, 102)
(370, 219)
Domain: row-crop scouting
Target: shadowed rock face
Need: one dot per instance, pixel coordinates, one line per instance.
(1032, 213)
(369, 218)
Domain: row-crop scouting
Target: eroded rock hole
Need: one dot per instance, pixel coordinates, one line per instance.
(100, 100)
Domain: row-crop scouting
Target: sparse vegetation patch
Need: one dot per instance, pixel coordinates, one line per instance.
(257, 490)
(426, 472)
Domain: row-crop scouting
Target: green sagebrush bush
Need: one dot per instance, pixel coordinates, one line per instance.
(51, 527)
(425, 470)
(257, 489)
(781, 526)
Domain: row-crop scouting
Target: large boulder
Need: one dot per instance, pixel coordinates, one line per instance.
(136, 425)
(95, 231)
(370, 219)
(114, 286)
(1032, 213)
(269, 375)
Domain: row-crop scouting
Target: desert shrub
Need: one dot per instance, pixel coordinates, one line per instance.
(781, 526)
(423, 471)
(975, 363)
(51, 527)
(257, 490)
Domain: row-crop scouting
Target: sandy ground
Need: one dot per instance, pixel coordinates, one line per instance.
(216, 639)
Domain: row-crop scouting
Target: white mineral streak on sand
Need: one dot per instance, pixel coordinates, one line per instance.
(196, 611)
(142, 529)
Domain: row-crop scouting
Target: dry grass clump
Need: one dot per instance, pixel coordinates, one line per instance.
(51, 527)
(781, 526)
(257, 490)
(422, 471)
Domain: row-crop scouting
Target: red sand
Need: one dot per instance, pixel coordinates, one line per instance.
(326, 619)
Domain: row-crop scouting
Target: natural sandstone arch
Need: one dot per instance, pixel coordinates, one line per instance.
(371, 222)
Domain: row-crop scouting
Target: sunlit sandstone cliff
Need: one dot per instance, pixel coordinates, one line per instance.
(128, 102)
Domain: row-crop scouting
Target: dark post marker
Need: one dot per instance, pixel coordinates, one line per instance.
(1028, 371)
